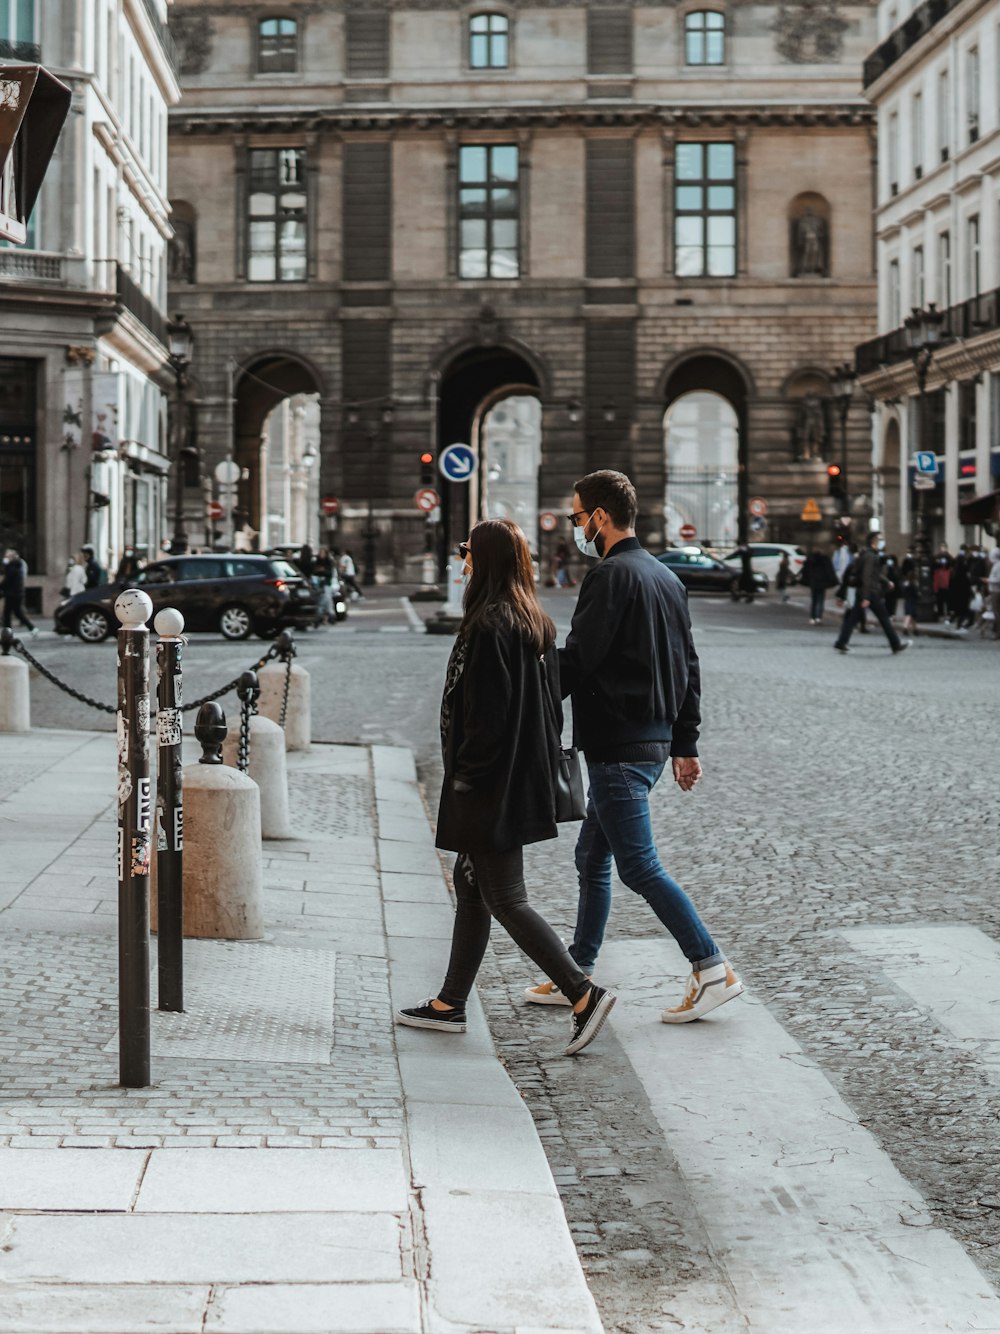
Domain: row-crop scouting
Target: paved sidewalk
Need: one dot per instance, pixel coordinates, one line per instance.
(298, 1164)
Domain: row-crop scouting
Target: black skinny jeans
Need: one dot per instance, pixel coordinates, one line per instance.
(493, 883)
(12, 607)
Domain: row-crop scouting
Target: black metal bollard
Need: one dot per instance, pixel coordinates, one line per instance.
(248, 690)
(210, 729)
(133, 609)
(6, 640)
(169, 625)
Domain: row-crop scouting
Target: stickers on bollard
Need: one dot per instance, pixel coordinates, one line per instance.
(140, 855)
(169, 729)
(124, 777)
(178, 689)
(161, 827)
(121, 853)
(178, 828)
(142, 714)
(143, 811)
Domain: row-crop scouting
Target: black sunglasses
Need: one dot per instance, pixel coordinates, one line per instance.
(463, 549)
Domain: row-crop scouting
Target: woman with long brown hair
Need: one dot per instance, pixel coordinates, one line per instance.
(499, 779)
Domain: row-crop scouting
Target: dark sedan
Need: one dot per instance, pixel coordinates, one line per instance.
(700, 573)
(235, 594)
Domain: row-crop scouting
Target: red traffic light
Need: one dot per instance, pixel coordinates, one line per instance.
(833, 470)
(426, 458)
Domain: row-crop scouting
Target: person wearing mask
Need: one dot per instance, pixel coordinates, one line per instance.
(92, 572)
(501, 686)
(632, 671)
(76, 580)
(128, 566)
(870, 586)
(12, 581)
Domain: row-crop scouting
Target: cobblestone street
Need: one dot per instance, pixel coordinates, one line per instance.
(842, 849)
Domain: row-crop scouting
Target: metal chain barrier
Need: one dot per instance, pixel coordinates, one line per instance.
(249, 692)
(284, 648)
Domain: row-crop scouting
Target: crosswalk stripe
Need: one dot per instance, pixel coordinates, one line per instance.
(813, 1227)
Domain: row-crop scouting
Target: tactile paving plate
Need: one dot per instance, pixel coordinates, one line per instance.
(249, 1002)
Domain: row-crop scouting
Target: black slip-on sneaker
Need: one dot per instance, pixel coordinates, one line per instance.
(425, 1016)
(589, 1022)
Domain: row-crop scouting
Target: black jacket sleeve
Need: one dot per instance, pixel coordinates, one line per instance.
(687, 727)
(487, 693)
(595, 624)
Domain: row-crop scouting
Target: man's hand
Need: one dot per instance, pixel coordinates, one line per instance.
(687, 771)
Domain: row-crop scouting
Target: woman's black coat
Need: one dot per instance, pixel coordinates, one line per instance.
(499, 750)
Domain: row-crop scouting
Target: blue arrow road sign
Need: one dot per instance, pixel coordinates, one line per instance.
(457, 463)
(927, 462)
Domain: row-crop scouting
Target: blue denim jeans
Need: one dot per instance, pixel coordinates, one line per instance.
(618, 826)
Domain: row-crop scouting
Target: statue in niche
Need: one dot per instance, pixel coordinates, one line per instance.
(810, 428)
(810, 246)
(180, 252)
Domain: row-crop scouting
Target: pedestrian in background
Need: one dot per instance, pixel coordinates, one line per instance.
(870, 591)
(128, 567)
(306, 560)
(784, 576)
(890, 569)
(940, 579)
(960, 590)
(15, 573)
(819, 576)
(92, 572)
(743, 585)
(993, 588)
(349, 576)
(910, 590)
(322, 582)
(842, 557)
(631, 668)
(563, 578)
(76, 580)
(501, 686)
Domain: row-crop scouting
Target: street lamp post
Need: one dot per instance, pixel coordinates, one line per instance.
(370, 533)
(923, 337)
(180, 346)
(843, 391)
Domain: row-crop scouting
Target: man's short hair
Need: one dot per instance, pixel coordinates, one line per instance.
(611, 492)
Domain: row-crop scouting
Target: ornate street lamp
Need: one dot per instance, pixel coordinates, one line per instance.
(923, 337)
(844, 379)
(180, 348)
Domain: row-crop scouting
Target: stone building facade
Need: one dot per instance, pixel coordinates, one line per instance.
(414, 210)
(83, 453)
(932, 80)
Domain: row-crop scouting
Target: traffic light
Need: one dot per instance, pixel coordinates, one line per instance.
(836, 482)
(427, 468)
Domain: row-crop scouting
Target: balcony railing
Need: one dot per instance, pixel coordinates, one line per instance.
(32, 266)
(901, 39)
(162, 31)
(132, 298)
(24, 53)
(965, 320)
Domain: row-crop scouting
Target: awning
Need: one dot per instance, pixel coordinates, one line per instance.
(981, 509)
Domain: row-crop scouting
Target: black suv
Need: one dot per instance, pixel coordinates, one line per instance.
(233, 593)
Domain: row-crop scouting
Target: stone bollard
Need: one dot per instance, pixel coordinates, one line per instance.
(449, 618)
(298, 716)
(223, 888)
(268, 769)
(15, 693)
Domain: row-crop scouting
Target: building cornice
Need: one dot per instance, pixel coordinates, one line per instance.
(706, 117)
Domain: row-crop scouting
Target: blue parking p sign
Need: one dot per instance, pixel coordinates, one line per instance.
(927, 462)
(457, 463)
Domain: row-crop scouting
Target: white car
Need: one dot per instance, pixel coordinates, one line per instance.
(766, 556)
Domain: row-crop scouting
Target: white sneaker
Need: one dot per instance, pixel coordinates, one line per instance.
(545, 993)
(706, 991)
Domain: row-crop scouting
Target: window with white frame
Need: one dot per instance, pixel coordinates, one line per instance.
(973, 273)
(944, 115)
(917, 278)
(276, 215)
(489, 41)
(972, 93)
(892, 152)
(277, 46)
(893, 295)
(17, 30)
(917, 134)
(488, 211)
(705, 38)
(705, 210)
(944, 270)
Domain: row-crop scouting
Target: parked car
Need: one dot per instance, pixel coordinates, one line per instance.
(235, 594)
(701, 573)
(337, 596)
(766, 556)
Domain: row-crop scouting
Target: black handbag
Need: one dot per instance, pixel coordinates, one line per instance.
(571, 800)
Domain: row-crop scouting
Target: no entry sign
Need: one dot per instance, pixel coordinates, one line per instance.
(214, 509)
(689, 532)
(426, 499)
(329, 504)
(548, 522)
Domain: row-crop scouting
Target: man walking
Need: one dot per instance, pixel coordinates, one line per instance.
(12, 587)
(631, 668)
(870, 592)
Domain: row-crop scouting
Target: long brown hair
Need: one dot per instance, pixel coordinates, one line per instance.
(501, 593)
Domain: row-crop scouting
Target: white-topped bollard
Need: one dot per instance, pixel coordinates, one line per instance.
(294, 711)
(15, 690)
(223, 889)
(269, 770)
(449, 618)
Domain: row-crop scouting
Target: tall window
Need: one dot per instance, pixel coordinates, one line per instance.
(917, 278)
(892, 152)
(917, 134)
(488, 211)
(489, 41)
(972, 93)
(705, 38)
(277, 215)
(895, 313)
(944, 115)
(17, 30)
(944, 270)
(705, 211)
(973, 274)
(277, 46)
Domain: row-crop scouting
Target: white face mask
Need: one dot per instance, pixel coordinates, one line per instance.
(587, 548)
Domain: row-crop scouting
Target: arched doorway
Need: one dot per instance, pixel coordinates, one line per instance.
(259, 439)
(489, 400)
(703, 442)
